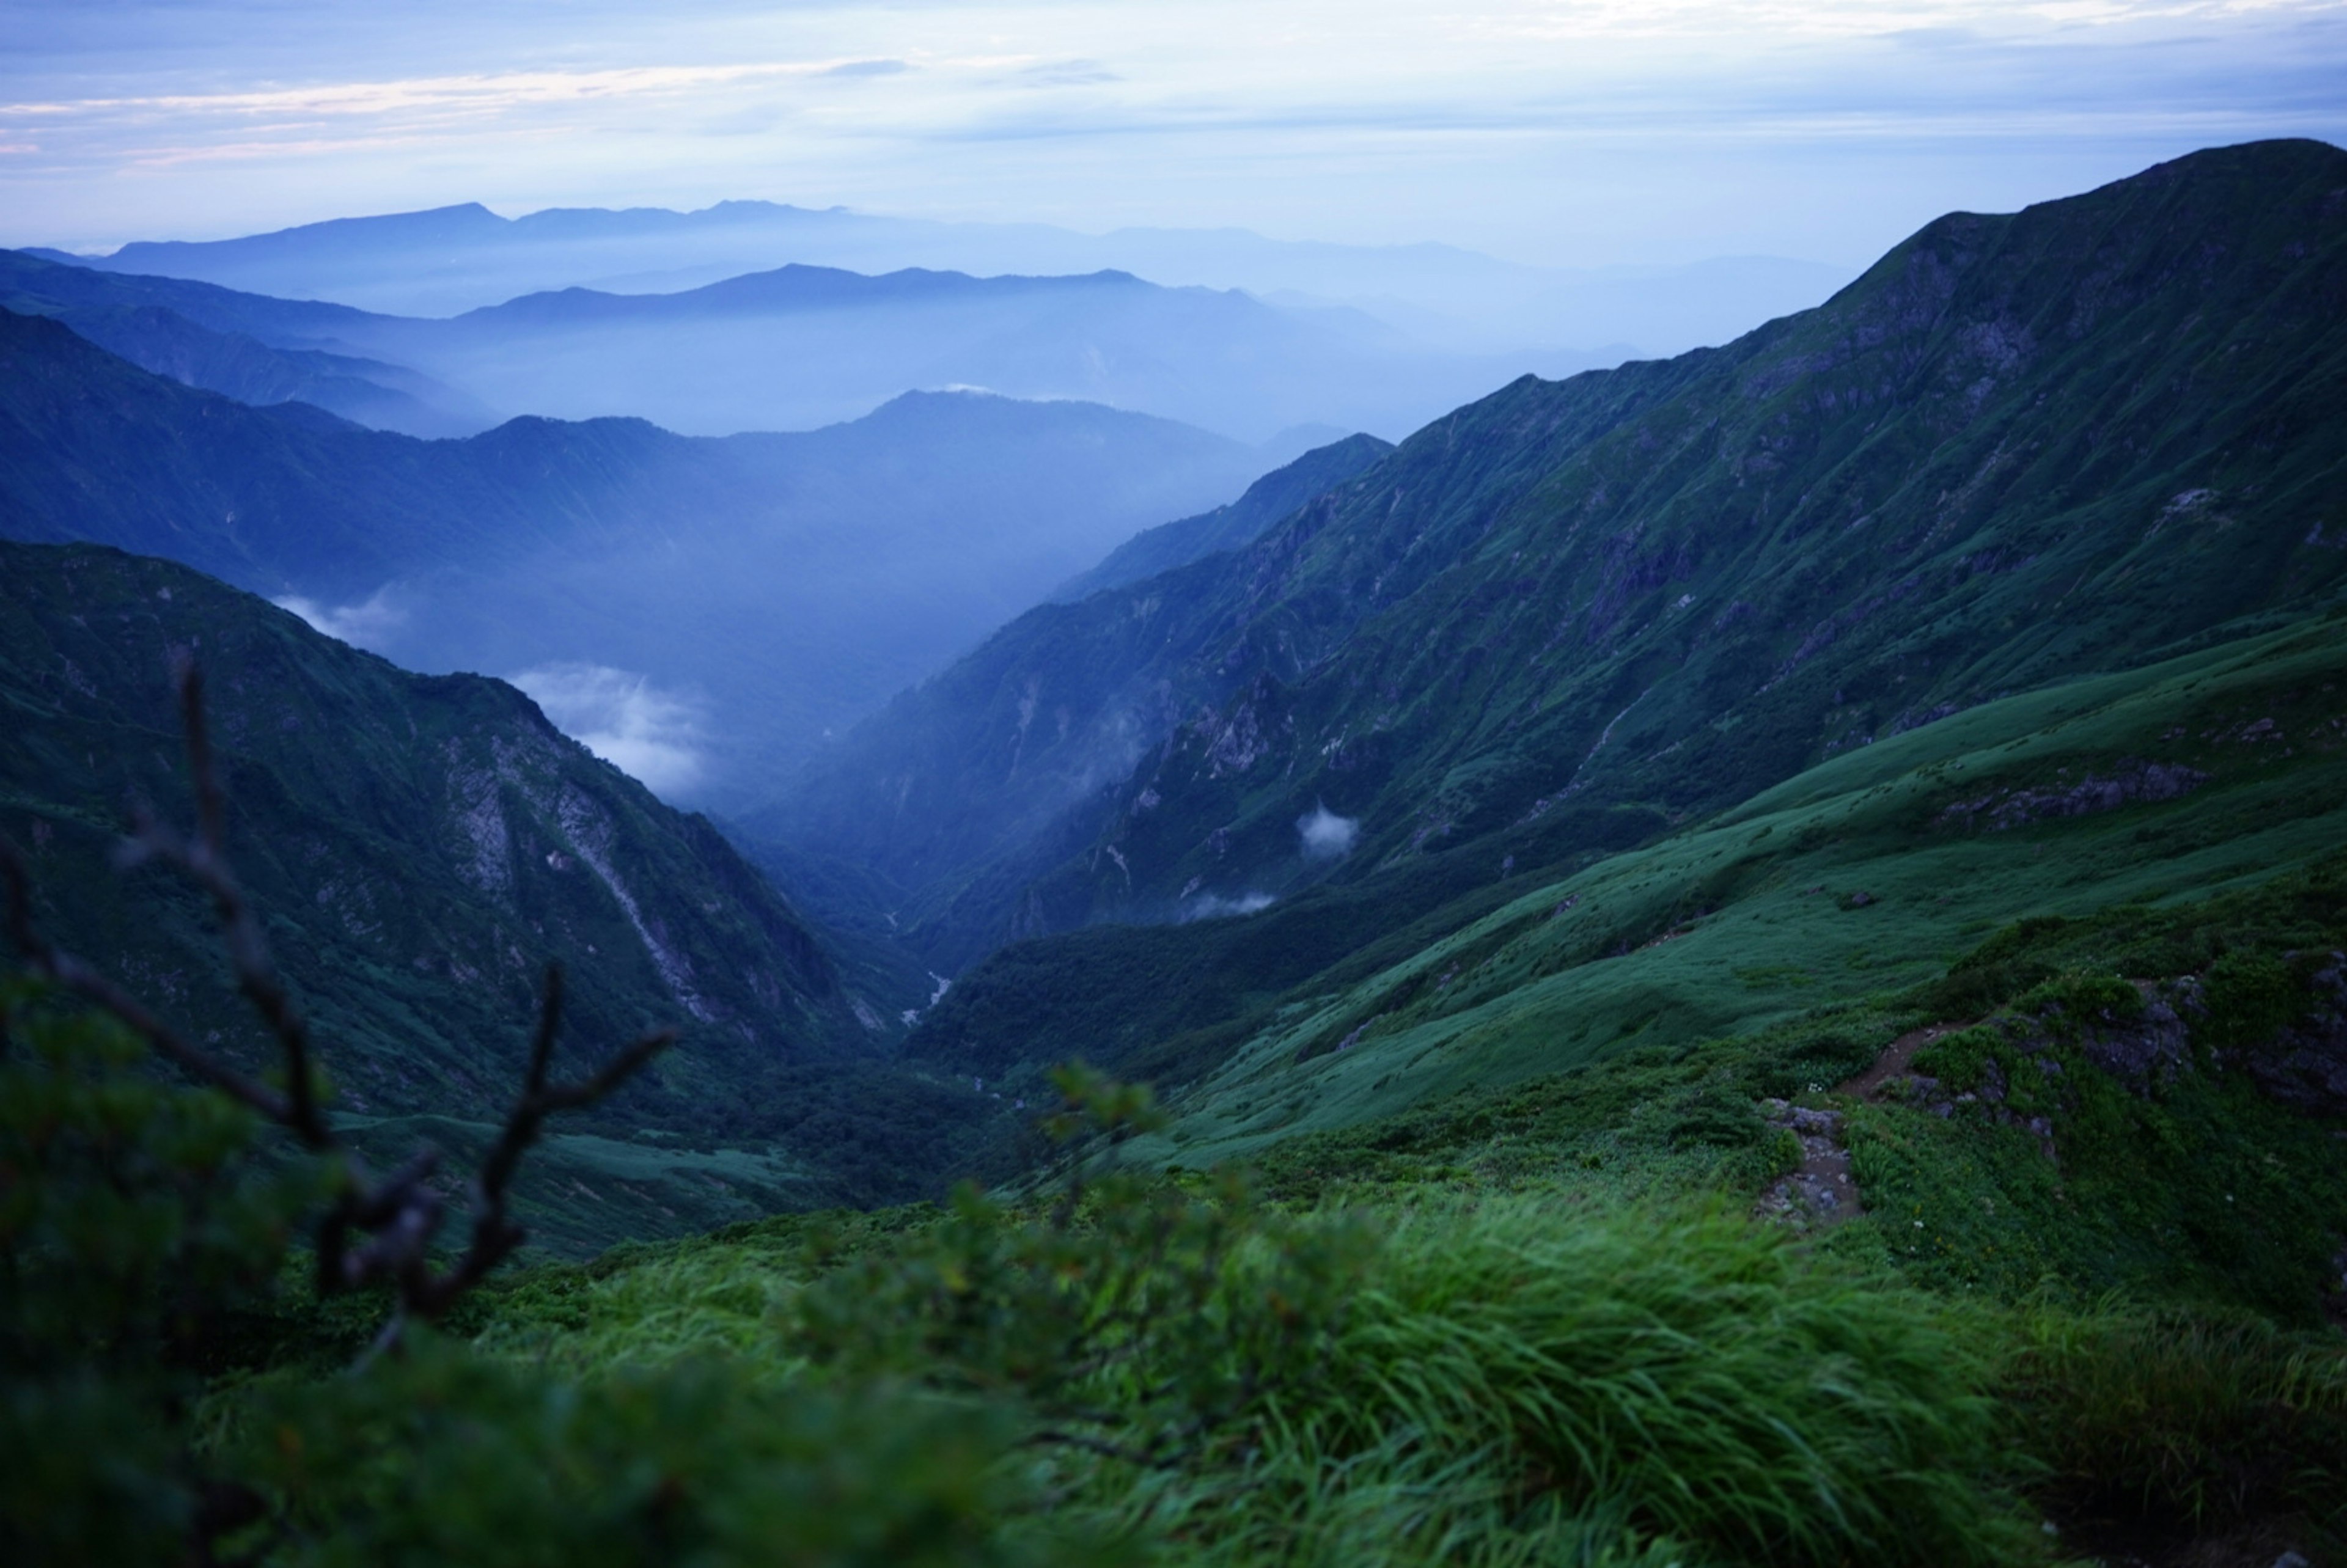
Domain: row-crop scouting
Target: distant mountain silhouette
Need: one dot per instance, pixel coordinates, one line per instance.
(450, 260)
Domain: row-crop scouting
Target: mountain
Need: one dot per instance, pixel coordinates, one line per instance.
(1849, 894)
(421, 846)
(2018, 451)
(770, 586)
(209, 337)
(454, 259)
(798, 346)
(1226, 527)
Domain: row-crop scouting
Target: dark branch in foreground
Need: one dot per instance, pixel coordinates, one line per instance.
(373, 1230)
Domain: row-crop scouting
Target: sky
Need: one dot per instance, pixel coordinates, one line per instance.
(1558, 132)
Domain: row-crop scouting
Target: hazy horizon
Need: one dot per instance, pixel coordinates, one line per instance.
(1558, 135)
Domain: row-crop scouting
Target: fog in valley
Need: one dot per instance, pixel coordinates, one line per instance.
(927, 428)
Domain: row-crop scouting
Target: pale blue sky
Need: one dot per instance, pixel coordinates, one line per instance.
(1571, 132)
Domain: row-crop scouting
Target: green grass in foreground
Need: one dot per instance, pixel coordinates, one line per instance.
(1530, 1327)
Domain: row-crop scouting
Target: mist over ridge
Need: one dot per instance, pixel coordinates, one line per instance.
(447, 260)
(709, 609)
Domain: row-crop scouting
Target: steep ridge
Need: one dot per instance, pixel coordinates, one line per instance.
(2018, 449)
(421, 846)
(1227, 528)
(437, 824)
(819, 571)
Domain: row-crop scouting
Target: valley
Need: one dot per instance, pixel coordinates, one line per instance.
(1732, 960)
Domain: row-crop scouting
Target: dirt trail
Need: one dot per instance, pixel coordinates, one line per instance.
(1893, 1062)
(1819, 1194)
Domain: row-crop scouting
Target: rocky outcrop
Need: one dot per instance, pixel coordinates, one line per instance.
(2305, 1065)
(2150, 1049)
(2130, 782)
(1818, 1193)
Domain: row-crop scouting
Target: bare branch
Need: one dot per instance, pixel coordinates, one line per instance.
(206, 860)
(494, 1235)
(634, 1059)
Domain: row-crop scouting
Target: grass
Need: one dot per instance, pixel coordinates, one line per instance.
(1752, 918)
(1508, 1379)
(2196, 1422)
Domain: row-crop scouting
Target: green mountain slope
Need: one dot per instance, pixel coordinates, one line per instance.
(1871, 873)
(420, 847)
(2018, 449)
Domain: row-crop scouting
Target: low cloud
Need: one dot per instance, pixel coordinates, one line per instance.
(653, 736)
(1067, 74)
(1215, 906)
(367, 624)
(1326, 836)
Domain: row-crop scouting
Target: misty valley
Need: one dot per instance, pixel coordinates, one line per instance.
(766, 885)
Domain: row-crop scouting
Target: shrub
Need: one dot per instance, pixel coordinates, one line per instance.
(1483, 1383)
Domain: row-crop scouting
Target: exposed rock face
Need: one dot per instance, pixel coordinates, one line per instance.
(2133, 782)
(2154, 1048)
(2306, 1063)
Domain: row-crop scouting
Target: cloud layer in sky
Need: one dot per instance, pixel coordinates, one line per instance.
(1563, 131)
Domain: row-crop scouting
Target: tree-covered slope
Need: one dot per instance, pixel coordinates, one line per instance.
(421, 846)
(2018, 449)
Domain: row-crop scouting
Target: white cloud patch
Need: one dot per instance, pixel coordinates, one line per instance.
(1325, 836)
(1215, 906)
(368, 624)
(653, 736)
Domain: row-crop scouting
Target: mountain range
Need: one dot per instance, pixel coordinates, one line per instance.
(455, 259)
(817, 572)
(785, 349)
(1571, 618)
(1387, 762)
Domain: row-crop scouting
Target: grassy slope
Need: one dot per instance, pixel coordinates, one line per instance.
(1472, 1281)
(1745, 920)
